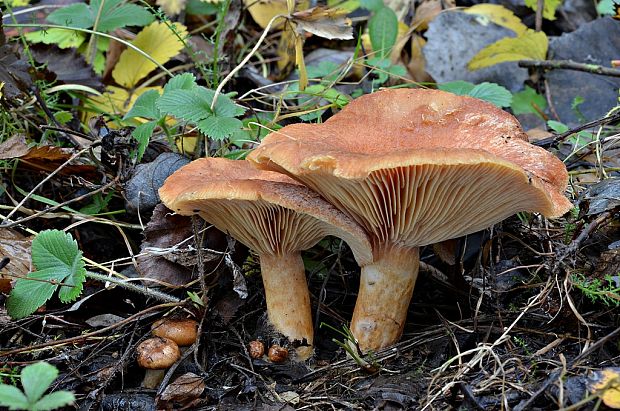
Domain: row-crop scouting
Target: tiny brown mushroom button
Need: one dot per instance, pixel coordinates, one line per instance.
(413, 168)
(182, 331)
(155, 355)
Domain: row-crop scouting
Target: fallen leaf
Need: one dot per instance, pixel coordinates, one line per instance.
(172, 7)
(15, 146)
(68, 66)
(329, 23)
(499, 15)
(605, 384)
(262, 11)
(549, 7)
(184, 389)
(532, 45)
(115, 100)
(427, 11)
(17, 248)
(158, 41)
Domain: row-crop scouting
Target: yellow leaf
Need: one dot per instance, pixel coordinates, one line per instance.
(286, 47)
(157, 40)
(499, 15)
(115, 100)
(171, 7)
(1, 86)
(549, 7)
(605, 384)
(532, 45)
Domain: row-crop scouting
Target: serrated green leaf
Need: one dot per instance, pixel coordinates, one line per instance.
(61, 37)
(116, 14)
(197, 7)
(532, 45)
(493, 93)
(32, 292)
(458, 87)
(185, 81)
(55, 249)
(74, 15)
(219, 128)
(549, 7)
(13, 398)
(54, 400)
(143, 134)
(383, 30)
(606, 7)
(63, 117)
(184, 104)
(145, 106)
(37, 378)
(58, 260)
(113, 14)
(225, 107)
(525, 102)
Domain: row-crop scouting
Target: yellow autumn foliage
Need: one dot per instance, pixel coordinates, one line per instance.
(157, 40)
(499, 15)
(532, 45)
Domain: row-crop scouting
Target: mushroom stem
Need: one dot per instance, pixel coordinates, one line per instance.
(386, 287)
(288, 299)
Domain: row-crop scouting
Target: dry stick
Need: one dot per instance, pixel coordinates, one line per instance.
(593, 225)
(46, 179)
(243, 62)
(548, 142)
(540, 5)
(570, 65)
(82, 337)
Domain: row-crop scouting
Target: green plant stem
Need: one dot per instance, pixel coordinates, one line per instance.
(126, 43)
(216, 48)
(148, 292)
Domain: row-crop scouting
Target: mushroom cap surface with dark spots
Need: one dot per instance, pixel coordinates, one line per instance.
(157, 353)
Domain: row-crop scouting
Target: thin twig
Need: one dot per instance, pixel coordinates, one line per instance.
(551, 141)
(570, 65)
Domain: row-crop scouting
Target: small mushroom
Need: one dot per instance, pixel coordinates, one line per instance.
(277, 354)
(182, 331)
(277, 218)
(156, 355)
(256, 349)
(415, 167)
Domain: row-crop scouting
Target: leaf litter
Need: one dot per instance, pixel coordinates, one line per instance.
(521, 316)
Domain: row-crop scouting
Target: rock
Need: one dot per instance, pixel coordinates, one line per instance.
(455, 37)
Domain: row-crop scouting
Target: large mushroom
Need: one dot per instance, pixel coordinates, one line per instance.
(277, 218)
(415, 167)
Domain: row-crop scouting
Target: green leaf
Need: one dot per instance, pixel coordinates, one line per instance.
(383, 29)
(493, 93)
(13, 398)
(116, 14)
(145, 106)
(201, 7)
(557, 126)
(185, 81)
(55, 249)
(372, 5)
(113, 14)
(549, 7)
(525, 102)
(63, 117)
(32, 292)
(219, 127)
(74, 15)
(54, 400)
(532, 45)
(606, 7)
(184, 104)
(143, 134)
(58, 260)
(37, 378)
(61, 37)
(458, 87)
(226, 107)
